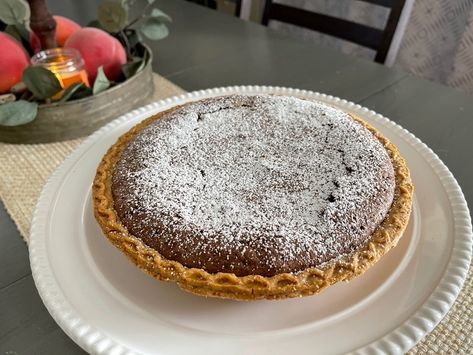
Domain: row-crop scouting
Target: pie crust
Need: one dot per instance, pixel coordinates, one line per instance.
(252, 287)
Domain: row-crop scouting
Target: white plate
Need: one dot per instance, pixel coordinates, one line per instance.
(108, 306)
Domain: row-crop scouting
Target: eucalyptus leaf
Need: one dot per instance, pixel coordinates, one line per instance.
(12, 31)
(24, 31)
(80, 93)
(70, 91)
(95, 24)
(156, 13)
(101, 82)
(41, 82)
(19, 88)
(14, 12)
(21, 34)
(112, 15)
(17, 113)
(132, 37)
(154, 29)
(132, 67)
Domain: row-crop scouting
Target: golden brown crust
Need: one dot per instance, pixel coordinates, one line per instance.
(252, 287)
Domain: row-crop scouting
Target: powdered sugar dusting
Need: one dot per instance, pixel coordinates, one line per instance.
(254, 184)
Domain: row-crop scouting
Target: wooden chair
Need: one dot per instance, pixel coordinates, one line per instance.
(237, 7)
(379, 40)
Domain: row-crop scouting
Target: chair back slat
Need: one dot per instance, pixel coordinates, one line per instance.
(389, 31)
(385, 3)
(354, 32)
(370, 37)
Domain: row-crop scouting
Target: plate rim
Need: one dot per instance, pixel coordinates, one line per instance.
(399, 340)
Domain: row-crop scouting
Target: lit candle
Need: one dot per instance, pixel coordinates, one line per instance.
(65, 63)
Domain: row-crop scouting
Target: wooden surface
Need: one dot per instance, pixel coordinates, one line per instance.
(208, 49)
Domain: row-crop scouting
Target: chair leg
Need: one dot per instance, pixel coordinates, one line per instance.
(238, 8)
(389, 31)
(266, 11)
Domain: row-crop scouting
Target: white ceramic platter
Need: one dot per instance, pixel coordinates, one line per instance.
(106, 305)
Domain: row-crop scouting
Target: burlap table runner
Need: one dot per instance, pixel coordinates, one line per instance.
(25, 169)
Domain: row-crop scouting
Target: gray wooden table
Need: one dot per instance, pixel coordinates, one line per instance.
(208, 49)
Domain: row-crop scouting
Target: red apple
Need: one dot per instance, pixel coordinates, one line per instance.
(64, 29)
(98, 48)
(13, 59)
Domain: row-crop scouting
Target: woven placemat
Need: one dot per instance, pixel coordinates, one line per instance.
(25, 169)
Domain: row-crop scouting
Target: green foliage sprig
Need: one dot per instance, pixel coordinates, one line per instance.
(40, 85)
(15, 12)
(113, 17)
(150, 23)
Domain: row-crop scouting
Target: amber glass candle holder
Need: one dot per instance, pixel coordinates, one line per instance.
(65, 63)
